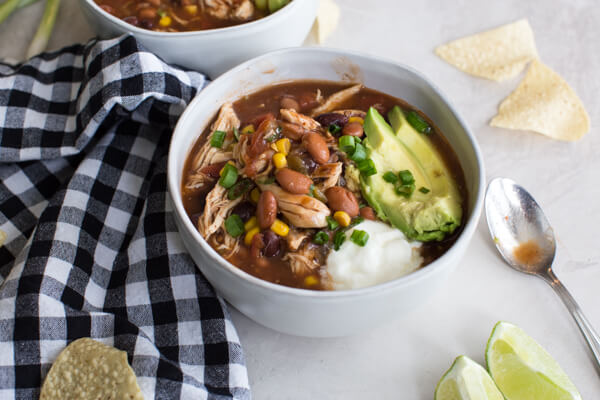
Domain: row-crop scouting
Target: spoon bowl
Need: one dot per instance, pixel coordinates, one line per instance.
(525, 239)
(519, 227)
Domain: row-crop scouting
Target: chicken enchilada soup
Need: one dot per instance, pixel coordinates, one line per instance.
(323, 185)
(189, 15)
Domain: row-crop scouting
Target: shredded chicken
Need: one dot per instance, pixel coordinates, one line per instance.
(299, 119)
(301, 210)
(254, 167)
(216, 210)
(224, 243)
(304, 261)
(295, 238)
(336, 100)
(227, 121)
(330, 173)
(238, 10)
(352, 113)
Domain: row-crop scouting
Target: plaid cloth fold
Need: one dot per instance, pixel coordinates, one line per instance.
(91, 247)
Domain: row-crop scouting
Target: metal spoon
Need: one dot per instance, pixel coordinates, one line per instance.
(526, 241)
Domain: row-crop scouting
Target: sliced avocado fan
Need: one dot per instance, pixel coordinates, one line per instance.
(434, 209)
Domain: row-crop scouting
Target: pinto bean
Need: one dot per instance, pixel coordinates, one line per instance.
(341, 199)
(292, 131)
(266, 209)
(317, 147)
(353, 129)
(147, 13)
(257, 245)
(368, 213)
(332, 118)
(293, 182)
(289, 103)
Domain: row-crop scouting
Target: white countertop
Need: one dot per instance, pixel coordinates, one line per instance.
(405, 358)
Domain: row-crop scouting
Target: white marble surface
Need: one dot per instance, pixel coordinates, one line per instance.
(405, 358)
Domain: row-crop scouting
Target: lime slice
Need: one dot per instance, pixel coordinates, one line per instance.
(522, 369)
(466, 380)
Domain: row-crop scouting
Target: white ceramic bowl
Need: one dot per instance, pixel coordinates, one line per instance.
(314, 313)
(214, 51)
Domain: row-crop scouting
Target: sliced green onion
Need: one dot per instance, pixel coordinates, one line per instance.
(406, 177)
(356, 221)
(418, 122)
(424, 190)
(321, 238)
(161, 13)
(359, 237)
(217, 139)
(311, 190)
(359, 153)
(229, 176)
(266, 180)
(333, 128)
(332, 224)
(275, 5)
(390, 177)
(347, 144)
(338, 239)
(236, 134)
(367, 167)
(405, 190)
(240, 188)
(234, 225)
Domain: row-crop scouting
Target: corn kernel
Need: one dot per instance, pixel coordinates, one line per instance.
(311, 280)
(342, 218)
(255, 195)
(165, 21)
(279, 160)
(251, 224)
(356, 119)
(283, 146)
(280, 228)
(192, 9)
(250, 234)
(248, 129)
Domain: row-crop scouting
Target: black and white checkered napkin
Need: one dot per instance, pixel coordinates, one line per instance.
(91, 246)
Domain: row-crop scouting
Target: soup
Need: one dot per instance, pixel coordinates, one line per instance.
(296, 182)
(189, 15)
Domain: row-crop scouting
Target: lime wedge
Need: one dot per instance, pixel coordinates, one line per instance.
(466, 380)
(522, 369)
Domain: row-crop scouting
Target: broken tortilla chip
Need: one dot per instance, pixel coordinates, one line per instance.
(497, 54)
(327, 20)
(2, 238)
(544, 103)
(87, 369)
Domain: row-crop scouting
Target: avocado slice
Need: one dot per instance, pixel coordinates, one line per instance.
(427, 216)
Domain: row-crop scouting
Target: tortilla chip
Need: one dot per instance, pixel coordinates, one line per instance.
(87, 369)
(2, 238)
(544, 103)
(497, 54)
(327, 20)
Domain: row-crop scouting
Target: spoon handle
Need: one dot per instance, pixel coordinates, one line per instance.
(590, 335)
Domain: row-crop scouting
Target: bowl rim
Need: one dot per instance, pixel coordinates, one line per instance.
(420, 274)
(235, 29)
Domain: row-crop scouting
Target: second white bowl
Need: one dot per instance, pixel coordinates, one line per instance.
(214, 51)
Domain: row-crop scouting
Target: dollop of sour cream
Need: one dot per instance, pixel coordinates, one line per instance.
(386, 256)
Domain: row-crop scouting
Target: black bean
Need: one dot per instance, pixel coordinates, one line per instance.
(272, 243)
(245, 210)
(332, 118)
